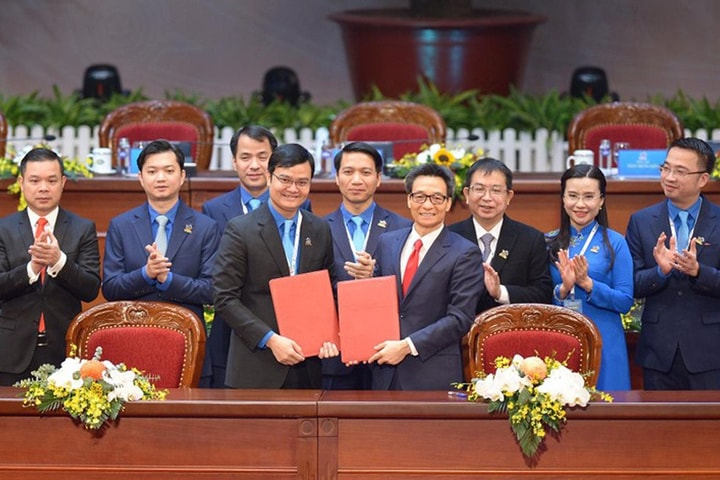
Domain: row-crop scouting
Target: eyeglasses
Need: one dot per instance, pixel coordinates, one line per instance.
(482, 190)
(575, 198)
(435, 198)
(287, 181)
(679, 172)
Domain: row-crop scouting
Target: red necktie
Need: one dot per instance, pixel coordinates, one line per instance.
(41, 223)
(412, 265)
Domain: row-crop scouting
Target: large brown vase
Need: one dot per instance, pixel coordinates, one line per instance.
(390, 48)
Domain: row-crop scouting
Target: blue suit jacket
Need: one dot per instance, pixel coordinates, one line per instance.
(191, 249)
(680, 311)
(383, 221)
(437, 311)
(222, 209)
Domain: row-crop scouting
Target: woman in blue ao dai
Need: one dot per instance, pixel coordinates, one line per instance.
(592, 268)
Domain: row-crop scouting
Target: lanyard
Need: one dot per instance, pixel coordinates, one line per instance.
(582, 252)
(292, 265)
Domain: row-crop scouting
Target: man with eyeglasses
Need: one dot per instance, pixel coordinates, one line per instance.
(675, 246)
(251, 147)
(275, 240)
(515, 258)
(356, 227)
(438, 289)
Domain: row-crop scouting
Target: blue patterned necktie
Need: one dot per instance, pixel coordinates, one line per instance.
(254, 203)
(683, 231)
(288, 242)
(358, 236)
(161, 236)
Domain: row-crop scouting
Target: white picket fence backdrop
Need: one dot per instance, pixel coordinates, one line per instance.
(539, 151)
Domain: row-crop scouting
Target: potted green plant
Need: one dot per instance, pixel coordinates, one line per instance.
(447, 42)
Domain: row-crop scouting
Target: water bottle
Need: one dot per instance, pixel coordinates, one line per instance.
(605, 154)
(123, 155)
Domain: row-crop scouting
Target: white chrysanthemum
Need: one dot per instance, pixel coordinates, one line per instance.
(566, 386)
(63, 377)
(517, 361)
(458, 153)
(488, 389)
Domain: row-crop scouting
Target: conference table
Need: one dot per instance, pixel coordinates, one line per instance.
(311, 434)
(536, 201)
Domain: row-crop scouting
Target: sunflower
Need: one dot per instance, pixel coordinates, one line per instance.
(444, 157)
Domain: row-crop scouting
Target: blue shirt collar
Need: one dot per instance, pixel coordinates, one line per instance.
(585, 230)
(245, 196)
(367, 215)
(279, 219)
(171, 214)
(694, 209)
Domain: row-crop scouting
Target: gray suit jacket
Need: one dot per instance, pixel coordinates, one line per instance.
(59, 298)
(250, 255)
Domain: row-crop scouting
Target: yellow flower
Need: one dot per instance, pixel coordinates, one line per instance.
(444, 157)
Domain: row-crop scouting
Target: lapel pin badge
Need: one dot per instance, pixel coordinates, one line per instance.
(382, 224)
(701, 241)
(595, 249)
(504, 254)
(188, 228)
(308, 242)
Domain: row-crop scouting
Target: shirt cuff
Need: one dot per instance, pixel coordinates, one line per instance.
(661, 274)
(263, 342)
(32, 276)
(413, 350)
(150, 281)
(164, 286)
(53, 270)
(504, 298)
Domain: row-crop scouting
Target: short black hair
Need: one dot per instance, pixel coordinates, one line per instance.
(289, 155)
(360, 147)
(431, 170)
(40, 155)
(703, 149)
(489, 165)
(161, 146)
(256, 132)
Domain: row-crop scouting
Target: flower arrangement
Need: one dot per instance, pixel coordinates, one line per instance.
(716, 171)
(92, 392)
(457, 160)
(10, 168)
(534, 392)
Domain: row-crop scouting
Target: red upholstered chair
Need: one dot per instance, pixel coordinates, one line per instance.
(147, 121)
(160, 339)
(409, 124)
(533, 329)
(3, 134)
(643, 125)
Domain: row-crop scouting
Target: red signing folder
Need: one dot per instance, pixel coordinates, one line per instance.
(369, 315)
(305, 310)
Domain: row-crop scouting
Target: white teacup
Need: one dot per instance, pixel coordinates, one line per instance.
(580, 157)
(101, 160)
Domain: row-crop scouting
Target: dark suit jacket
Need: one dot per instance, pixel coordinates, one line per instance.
(524, 271)
(680, 311)
(383, 221)
(250, 255)
(436, 313)
(59, 298)
(191, 249)
(222, 209)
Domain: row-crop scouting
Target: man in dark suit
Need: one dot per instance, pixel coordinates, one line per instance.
(515, 262)
(356, 227)
(276, 240)
(251, 147)
(42, 287)
(170, 263)
(438, 289)
(679, 278)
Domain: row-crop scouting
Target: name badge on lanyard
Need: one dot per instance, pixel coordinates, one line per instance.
(571, 302)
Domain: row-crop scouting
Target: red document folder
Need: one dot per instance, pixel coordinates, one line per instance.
(305, 310)
(368, 311)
